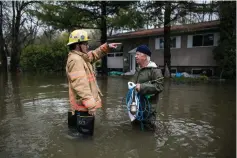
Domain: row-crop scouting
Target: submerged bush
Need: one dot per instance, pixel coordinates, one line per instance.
(202, 78)
(44, 57)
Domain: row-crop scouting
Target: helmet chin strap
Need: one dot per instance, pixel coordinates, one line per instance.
(80, 48)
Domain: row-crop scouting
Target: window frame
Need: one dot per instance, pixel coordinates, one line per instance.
(203, 34)
(177, 46)
(176, 70)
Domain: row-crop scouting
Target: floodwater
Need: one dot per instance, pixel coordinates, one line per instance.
(193, 121)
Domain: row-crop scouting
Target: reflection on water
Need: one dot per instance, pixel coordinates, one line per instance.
(194, 120)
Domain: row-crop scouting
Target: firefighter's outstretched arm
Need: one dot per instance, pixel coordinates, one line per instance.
(103, 50)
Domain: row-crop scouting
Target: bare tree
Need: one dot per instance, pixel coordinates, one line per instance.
(3, 56)
(19, 9)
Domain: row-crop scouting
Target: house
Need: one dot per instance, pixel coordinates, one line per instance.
(191, 47)
(115, 59)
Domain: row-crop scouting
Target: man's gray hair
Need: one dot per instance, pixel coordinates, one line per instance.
(148, 58)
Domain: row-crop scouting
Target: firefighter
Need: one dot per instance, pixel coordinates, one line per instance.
(84, 93)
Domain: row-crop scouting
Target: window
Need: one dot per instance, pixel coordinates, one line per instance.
(118, 54)
(208, 40)
(203, 40)
(175, 42)
(172, 42)
(173, 70)
(115, 54)
(197, 40)
(205, 71)
(111, 55)
(161, 43)
(196, 71)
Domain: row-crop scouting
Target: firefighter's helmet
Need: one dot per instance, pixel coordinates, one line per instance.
(78, 36)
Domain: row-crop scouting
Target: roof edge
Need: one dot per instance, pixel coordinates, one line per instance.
(159, 31)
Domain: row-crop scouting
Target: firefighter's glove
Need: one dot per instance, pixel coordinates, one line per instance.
(92, 111)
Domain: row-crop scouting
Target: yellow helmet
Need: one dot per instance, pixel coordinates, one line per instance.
(78, 36)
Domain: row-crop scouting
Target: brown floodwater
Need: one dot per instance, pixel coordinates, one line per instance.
(193, 120)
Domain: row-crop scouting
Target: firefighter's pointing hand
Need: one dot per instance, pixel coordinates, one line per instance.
(114, 45)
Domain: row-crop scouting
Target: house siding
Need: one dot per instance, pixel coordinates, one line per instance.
(196, 56)
(183, 59)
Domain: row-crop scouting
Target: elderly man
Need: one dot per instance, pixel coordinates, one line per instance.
(149, 82)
